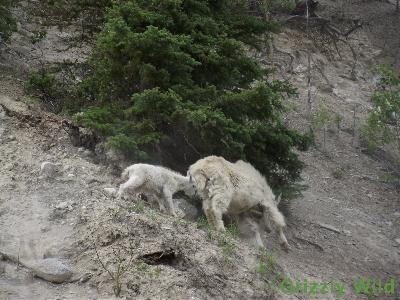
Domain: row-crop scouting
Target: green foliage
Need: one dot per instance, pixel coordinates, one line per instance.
(224, 239)
(137, 207)
(383, 125)
(267, 262)
(338, 119)
(57, 86)
(171, 82)
(37, 36)
(268, 269)
(7, 21)
(320, 119)
(44, 85)
(233, 229)
(278, 5)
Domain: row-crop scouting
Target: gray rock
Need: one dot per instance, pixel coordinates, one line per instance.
(329, 227)
(85, 277)
(11, 138)
(190, 211)
(87, 153)
(111, 191)
(64, 206)
(48, 169)
(52, 270)
(397, 241)
(347, 232)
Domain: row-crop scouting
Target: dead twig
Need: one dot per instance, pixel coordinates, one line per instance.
(319, 247)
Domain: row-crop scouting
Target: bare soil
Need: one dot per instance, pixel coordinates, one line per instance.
(345, 226)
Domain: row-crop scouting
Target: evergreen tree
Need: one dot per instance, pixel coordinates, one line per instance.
(7, 22)
(172, 81)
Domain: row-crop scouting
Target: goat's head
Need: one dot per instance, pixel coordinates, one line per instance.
(189, 188)
(198, 178)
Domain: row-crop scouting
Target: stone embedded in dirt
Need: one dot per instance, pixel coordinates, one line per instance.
(347, 232)
(52, 270)
(397, 241)
(11, 138)
(190, 211)
(63, 205)
(87, 153)
(111, 191)
(48, 169)
(85, 277)
(329, 227)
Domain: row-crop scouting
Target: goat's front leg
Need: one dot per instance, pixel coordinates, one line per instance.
(168, 197)
(207, 211)
(132, 184)
(219, 203)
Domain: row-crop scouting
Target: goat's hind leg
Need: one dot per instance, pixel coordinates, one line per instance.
(253, 226)
(278, 220)
(168, 198)
(132, 184)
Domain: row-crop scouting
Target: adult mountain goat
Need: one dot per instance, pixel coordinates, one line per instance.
(234, 188)
(155, 180)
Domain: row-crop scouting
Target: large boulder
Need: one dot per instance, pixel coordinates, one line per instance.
(52, 270)
(190, 212)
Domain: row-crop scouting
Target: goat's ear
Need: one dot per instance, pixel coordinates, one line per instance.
(278, 199)
(200, 180)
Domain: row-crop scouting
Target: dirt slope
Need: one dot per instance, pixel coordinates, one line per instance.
(346, 225)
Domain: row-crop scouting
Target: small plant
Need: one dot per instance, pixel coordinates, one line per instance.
(226, 243)
(266, 263)
(153, 215)
(46, 87)
(383, 124)
(338, 119)
(144, 268)
(233, 229)
(386, 177)
(122, 261)
(268, 269)
(320, 120)
(224, 239)
(338, 173)
(202, 223)
(37, 36)
(137, 207)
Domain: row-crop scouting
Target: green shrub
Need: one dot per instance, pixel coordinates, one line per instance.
(383, 124)
(7, 21)
(172, 81)
(44, 85)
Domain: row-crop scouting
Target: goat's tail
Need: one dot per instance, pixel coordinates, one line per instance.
(277, 218)
(271, 210)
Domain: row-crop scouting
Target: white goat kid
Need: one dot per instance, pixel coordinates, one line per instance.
(235, 189)
(156, 180)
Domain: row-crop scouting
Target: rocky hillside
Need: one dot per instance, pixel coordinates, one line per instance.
(60, 222)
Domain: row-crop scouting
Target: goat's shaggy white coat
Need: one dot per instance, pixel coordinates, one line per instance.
(155, 180)
(234, 188)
